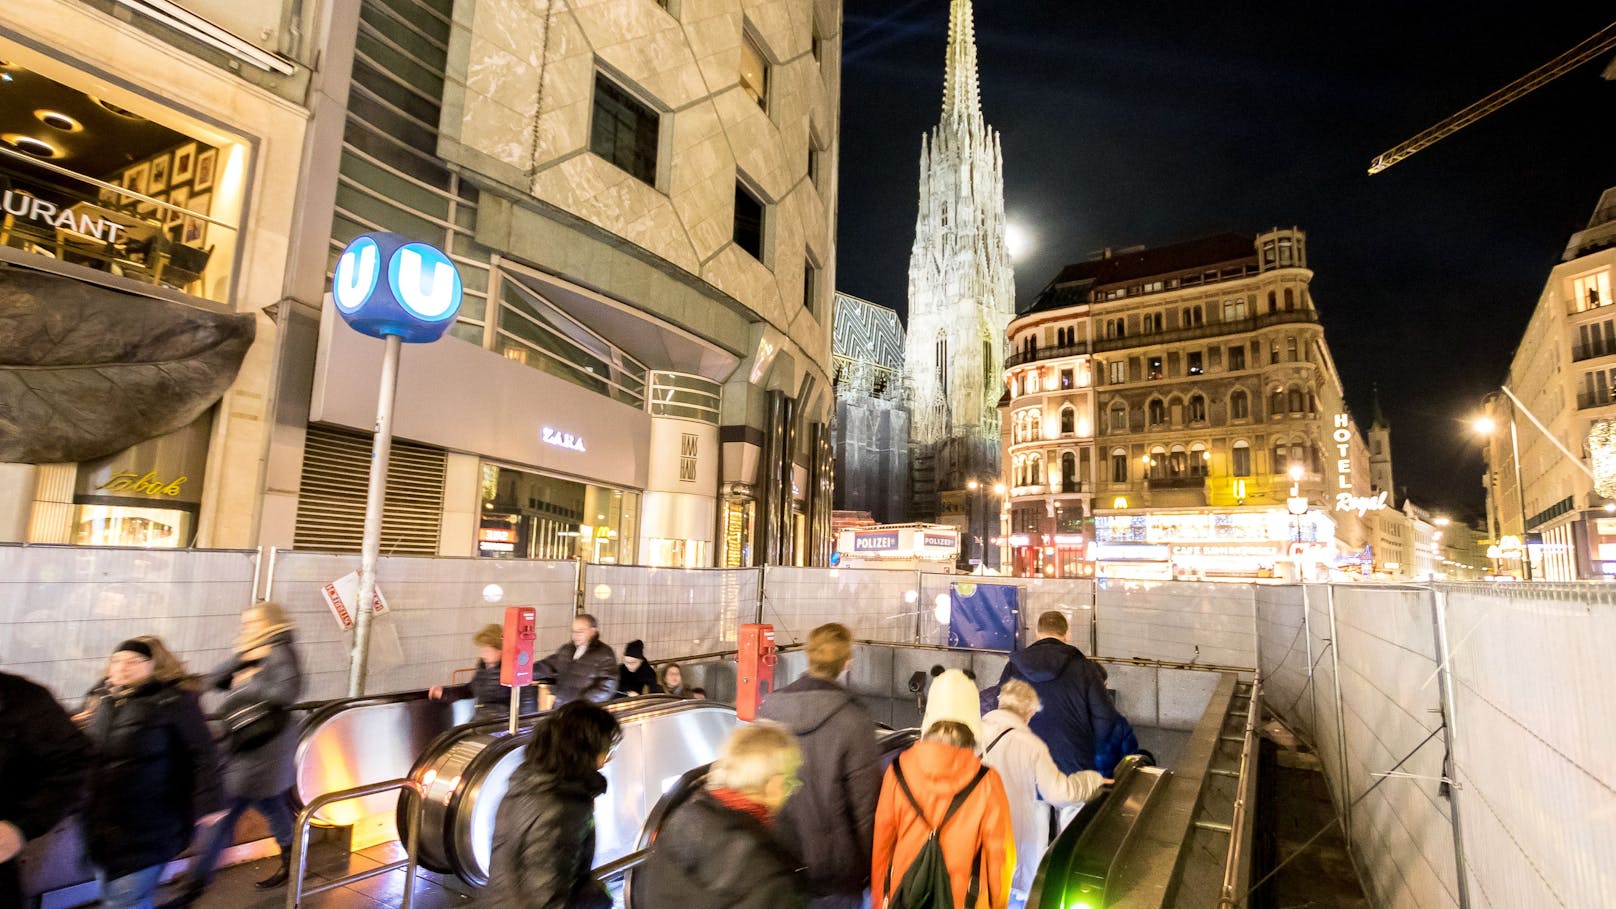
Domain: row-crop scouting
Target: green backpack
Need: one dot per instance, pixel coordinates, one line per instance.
(926, 883)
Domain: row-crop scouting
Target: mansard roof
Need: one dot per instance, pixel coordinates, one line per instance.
(1072, 286)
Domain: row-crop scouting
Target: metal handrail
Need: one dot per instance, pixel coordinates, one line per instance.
(300, 843)
(620, 866)
(1229, 895)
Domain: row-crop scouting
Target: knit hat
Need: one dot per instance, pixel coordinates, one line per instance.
(634, 651)
(953, 696)
(134, 646)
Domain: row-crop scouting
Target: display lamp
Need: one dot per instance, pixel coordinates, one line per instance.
(400, 291)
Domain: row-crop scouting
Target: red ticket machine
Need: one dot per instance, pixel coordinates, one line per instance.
(521, 631)
(754, 672)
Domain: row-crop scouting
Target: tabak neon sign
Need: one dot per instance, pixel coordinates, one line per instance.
(1345, 500)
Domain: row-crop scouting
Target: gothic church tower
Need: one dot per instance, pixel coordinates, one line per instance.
(961, 288)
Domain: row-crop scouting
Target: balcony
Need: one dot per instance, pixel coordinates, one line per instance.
(1210, 330)
(1581, 352)
(1047, 353)
(1586, 400)
(1175, 482)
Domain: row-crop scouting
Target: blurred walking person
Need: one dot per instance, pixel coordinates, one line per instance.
(153, 775)
(492, 697)
(831, 822)
(942, 826)
(1077, 712)
(585, 669)
(544, 831)
(263, 680)
(1030, 777)
(40, 745)
(636, 676)
(673, 680)
(719, 847)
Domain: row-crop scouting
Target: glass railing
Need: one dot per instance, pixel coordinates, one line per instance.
(53, 213)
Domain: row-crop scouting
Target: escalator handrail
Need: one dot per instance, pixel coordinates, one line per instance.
(1073, 836)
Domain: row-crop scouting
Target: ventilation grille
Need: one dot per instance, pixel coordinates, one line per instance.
(331, 496)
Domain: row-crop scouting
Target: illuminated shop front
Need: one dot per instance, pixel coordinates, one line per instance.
(527, 515)
(146, 495)
(1051, 555)
(933, 547)
(1210, 546)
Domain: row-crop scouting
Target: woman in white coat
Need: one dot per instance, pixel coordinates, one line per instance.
(1030, 778)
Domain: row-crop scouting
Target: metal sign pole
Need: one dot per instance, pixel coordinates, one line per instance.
(370, 547)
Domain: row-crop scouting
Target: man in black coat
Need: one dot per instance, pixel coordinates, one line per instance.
(1077, 710)
(831, 821)
(586, 668)
(43, 761)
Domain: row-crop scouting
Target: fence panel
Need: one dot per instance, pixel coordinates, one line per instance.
(677, 612)
(63, 608)
(1326, 693)
(1282, 650)
(1178, 621)
(436, 605)
(1536, 741)
(878, 605)
(1392, 707)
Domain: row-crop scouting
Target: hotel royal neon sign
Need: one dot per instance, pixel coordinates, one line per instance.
(1345, 500)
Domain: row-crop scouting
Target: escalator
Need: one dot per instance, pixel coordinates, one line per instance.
(1081, 868)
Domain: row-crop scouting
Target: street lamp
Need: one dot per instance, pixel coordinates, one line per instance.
(1297, 506)
(1487, 426)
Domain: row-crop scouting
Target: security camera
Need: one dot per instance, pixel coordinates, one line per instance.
(917, 683)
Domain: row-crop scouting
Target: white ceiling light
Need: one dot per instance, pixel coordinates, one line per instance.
(39, 148)
(57, 120)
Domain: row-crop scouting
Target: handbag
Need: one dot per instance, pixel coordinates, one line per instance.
(252, 725)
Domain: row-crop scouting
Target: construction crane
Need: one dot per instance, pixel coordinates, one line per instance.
(1586, 50)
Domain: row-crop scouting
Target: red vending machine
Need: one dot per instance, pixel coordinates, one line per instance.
(516, 658)
(754, 671)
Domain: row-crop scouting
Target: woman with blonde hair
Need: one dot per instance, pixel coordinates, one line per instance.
(1030, 778)
(719, 847)
(153, 772)
(263, 681)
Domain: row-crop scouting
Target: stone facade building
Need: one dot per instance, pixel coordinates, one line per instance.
(961, 297)
(1165, 408)
(870, 435)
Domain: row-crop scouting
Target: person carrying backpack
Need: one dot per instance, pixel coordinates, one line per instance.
(943, 838)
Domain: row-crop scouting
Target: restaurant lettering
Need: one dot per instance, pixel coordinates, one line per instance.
(20, 204)
(1345, 500)
(147, 484)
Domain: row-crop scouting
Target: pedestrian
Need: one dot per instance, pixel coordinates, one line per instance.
(40, 745)
(1030, 777)
(719, 847)
(544, 830)
(492, 697)
(673, 680)
(153, 776)
(831, 822)
(940, 806)
(584, 669)
(263, 680)
(636, 676)
(1077, 711)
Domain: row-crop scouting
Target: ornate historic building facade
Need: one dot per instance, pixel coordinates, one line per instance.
(961, 297)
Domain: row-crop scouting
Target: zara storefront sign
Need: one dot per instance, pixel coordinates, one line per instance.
(562, 439)
(1344, 499)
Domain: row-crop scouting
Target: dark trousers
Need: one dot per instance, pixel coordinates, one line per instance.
(10, 886)
(274, 809)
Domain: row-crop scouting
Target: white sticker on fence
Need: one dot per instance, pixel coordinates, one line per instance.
(342, 594)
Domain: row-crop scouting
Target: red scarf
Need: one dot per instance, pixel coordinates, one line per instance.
(745, 804)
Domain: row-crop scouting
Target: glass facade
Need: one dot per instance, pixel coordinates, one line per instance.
(528, 515)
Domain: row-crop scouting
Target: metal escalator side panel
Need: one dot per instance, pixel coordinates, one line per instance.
(368, 742)
(1076, 869)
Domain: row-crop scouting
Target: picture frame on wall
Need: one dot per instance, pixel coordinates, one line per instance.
(134, 179)
(157, 178)
(180, 196)
(195, 232)
(184, 164)
(201, 203)
(106, 195)
(202, 178)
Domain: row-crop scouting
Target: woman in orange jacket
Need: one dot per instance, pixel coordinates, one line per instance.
(977, 842)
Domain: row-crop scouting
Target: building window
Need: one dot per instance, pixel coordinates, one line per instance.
(989, 368)
(624, 131)
(1193, 363)
(942, 368)
(1154, 368)
(748, 221)
(1035, 471)
(1276, 403)
(1156, 413)
(1237, 358)
(1290, 349)
(1067, 379)
(1282, 453)
(1295, 400)
(1273, 352)
(1068, 420)
(1119, 466)
(1119, 417)
(816, 44)
(1178, 462)
(815, 159)
(1193, 317)
(810, 286)
(1118, 371)
(1591, 291)
(1068, 468)
(1197, 411)
(1200, 460)
(1273, 302)
(1158, 463)
(1241, 466)
(1234, 310)
(1239, 406)
(754, 71)
(1290, 299)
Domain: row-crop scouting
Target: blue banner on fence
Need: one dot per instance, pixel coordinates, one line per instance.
(983, 615)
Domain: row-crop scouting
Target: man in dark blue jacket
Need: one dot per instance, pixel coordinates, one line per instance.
(1077, 710)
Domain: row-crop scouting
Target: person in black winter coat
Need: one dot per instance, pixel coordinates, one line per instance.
(544, 830)
(636, 676)
(831, 822)
(719, 847)
(586, 669)
(493, 697)
(39, 745)
(1078, 712)
(154, 773)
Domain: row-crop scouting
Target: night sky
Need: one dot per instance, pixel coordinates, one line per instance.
(1150, 123)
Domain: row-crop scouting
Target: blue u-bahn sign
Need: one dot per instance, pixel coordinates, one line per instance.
(384, 284)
